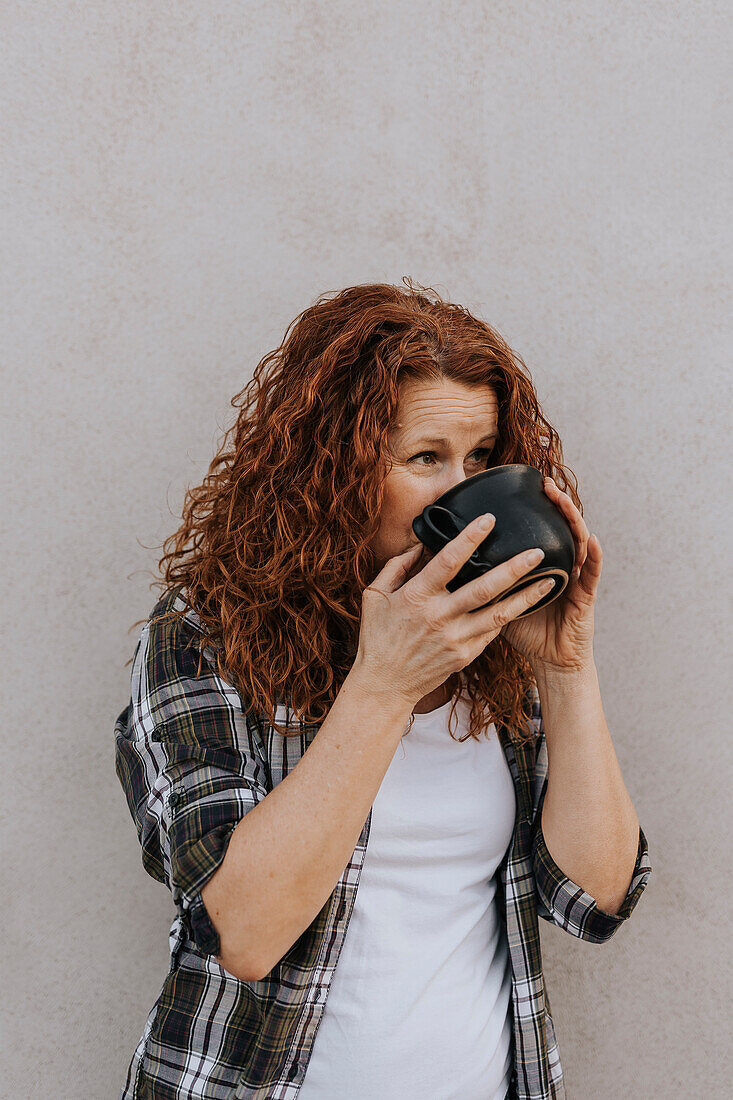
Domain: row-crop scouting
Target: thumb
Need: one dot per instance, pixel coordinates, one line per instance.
(398, 569)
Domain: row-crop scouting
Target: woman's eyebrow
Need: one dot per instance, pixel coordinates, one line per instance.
(440, 440)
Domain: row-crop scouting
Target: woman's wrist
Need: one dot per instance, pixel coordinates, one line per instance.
(376, 691)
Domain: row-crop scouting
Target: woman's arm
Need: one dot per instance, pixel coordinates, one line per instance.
(588, 820)
(287, 854)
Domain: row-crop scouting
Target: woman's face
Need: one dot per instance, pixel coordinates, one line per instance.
(423, 467)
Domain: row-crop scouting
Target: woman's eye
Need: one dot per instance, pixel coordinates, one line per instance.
(431, 454)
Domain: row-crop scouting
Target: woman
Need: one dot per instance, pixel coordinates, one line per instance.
(308, 748)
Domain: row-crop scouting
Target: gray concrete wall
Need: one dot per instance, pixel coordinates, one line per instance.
(179, 181)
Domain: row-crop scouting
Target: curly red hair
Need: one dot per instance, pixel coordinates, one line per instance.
(273, 550)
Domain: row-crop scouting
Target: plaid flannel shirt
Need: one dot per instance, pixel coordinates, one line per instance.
(192, 763)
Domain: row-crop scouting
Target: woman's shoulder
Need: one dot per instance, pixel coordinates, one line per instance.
(178, 683)
(175, 655)
(173, 608)
(174, 631)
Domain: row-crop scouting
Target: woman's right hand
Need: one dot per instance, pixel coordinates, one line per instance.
(414, 633)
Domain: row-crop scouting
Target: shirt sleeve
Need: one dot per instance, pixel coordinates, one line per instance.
(566, 904)
(560, 900)
(191, 764)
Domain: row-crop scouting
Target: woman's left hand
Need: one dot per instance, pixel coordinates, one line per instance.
(559, 636)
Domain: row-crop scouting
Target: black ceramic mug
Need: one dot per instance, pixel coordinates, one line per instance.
(525, 517)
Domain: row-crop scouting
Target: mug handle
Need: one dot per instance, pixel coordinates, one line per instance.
(442, 522)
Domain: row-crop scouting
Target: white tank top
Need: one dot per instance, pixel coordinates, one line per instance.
(419, 1001)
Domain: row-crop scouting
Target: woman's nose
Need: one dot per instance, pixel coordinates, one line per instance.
(456, 478)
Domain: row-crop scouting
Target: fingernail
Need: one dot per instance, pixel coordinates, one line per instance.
(486, 520)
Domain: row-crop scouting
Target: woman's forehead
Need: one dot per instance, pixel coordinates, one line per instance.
(438, 407)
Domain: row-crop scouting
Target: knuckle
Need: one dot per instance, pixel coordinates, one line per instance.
(436, 623)
(452, 559)
(496, 582)
(488, 592)
(412, 597)
(487, 586)
(501, 616)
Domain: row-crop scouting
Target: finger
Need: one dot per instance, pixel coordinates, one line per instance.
(581, 555)
(592, 566)
(499, 614)
(577, 524)
(494, 582)
(565, 502)
(448, 561)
